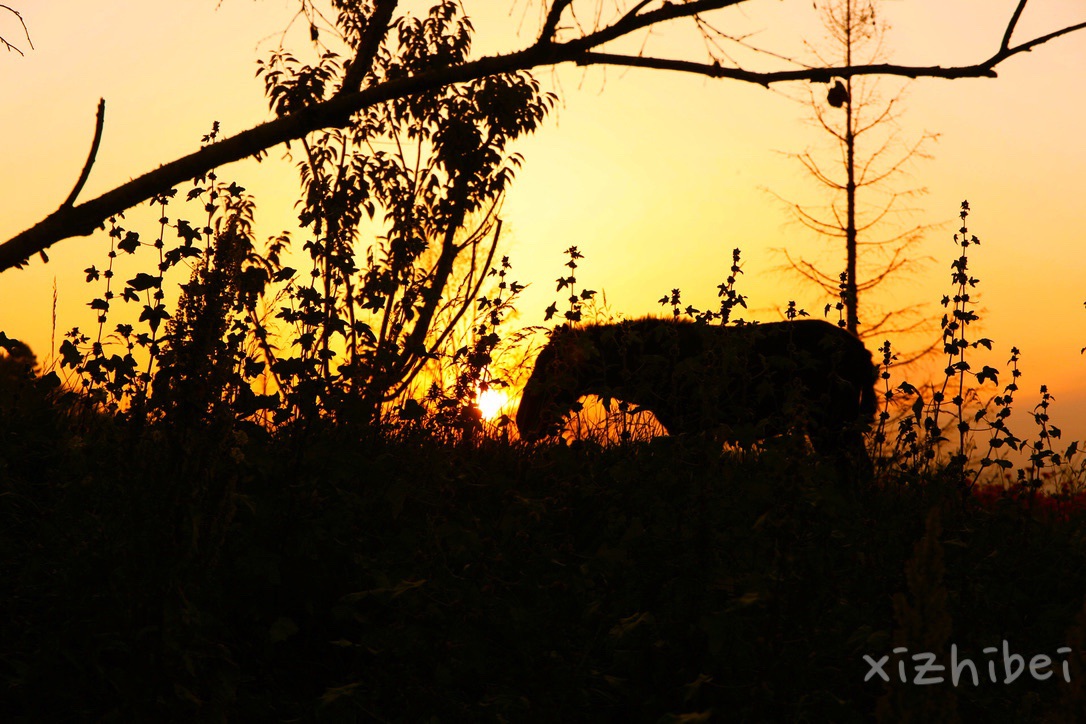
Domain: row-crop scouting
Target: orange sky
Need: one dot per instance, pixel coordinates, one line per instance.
(654, 176)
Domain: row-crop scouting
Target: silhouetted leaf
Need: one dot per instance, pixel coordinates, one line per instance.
(154, 316)
(142, 282)
(989, 373)
(129, 243)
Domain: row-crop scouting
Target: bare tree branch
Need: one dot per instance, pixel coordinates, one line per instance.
(631, 22)
(100, 123)
(26, 32)
(1006, 43)
(550, 25)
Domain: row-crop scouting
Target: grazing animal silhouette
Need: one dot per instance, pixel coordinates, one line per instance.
(745, 382)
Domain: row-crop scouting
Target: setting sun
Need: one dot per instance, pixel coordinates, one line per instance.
(492, 403)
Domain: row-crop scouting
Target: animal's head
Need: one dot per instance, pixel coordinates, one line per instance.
(563, 371)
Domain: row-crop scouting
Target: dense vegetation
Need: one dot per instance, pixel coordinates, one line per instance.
(319, 574)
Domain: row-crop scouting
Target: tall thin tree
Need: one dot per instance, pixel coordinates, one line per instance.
(871, 159)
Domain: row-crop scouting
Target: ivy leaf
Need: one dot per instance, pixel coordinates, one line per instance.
(987, 372)
(288, 367)
(129, 243)
(142, 282)
(154, 315)
(186, 232)
(70, 354)
(253, 368)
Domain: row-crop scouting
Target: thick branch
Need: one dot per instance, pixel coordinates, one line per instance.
(1012, 24)
(83, 219)
(376, 29)
(550, 25)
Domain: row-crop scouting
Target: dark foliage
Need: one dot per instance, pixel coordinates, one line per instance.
(401, 579)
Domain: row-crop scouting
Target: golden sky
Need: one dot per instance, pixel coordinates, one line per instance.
(654, 176)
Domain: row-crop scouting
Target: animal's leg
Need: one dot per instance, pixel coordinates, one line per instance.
(848, 451)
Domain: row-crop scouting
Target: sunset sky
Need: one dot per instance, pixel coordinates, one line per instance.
(655, 176)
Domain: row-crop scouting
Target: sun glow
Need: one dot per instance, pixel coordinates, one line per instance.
(491, 403)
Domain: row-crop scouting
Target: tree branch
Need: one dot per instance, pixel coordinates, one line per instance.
(99, 125)
(631, 22)
(376, 29)
(550, 25)
(984, 69)
(814, 75)
(1006, 43)
(26, 32)
(83, 219)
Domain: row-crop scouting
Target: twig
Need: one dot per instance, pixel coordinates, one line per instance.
(26, 31)
(85, 174)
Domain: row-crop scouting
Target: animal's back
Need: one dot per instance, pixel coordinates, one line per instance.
(756, 380)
